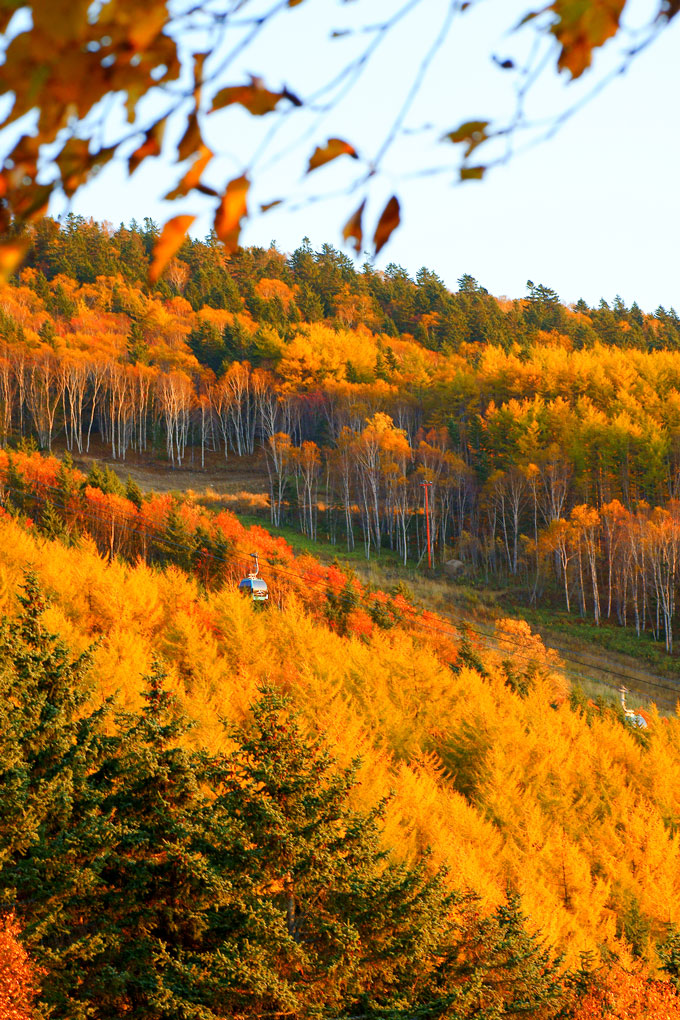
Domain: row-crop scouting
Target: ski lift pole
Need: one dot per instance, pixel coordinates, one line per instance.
(426, 486)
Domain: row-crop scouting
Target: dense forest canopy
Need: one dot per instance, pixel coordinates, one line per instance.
(549, 435)
(327, 285)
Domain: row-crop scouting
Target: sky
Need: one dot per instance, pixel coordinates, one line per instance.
(592, 212)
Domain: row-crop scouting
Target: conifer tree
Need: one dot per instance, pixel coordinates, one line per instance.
(176, 544)
(53, 755)
(319, 918)
(669, 954)
(158, 880)
(14, 487)
(101, 476)
(133, 492)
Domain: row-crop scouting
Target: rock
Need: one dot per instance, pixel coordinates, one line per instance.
(454, 568)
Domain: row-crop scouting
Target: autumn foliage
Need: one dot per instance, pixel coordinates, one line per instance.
(620, 995)
(18, 977)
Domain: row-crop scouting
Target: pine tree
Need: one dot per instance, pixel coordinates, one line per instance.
(319, 918)
(158, 880)
(51, 522)
(53, 755)
(133, 492)
(101, 476)
(137, 345)
(669, 954)
(14, 487)
(176, 543)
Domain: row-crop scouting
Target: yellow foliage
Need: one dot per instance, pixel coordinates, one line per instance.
(508, 791)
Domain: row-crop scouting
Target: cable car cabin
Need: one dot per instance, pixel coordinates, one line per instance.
(255, 588)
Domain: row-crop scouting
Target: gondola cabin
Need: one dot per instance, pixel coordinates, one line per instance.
(253, 586)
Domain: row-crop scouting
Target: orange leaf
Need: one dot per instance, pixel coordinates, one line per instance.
(473, 132)
(387, 224)
(354, 229)
(257, 99)
(12, 254)
(270, 205)
(333, 148)
(231, 211)
(580, 28)
(151, 146)
(62, 21)
(167, 244)
(192, 177)
(191, 139)
(147, 24)
(472, 173)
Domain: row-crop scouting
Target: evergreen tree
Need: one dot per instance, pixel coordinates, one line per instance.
(61, 304)
(159, 883)
(101, 476)
(137, 345)
(48, 333)
(15, 492)
(176, 543)
(133, 492)
(320, 919)
(51, 522)
(669, 955)
(207, 343)
(53, 755)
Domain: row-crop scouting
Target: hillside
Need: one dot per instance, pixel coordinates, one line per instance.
(548, 435)
(516, 787)
(397, 679)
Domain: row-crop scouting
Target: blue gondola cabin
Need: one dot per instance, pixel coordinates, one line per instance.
(255, 588)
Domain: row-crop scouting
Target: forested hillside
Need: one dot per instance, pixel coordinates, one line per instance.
(557, 818)
(550, 435)
(530, 833)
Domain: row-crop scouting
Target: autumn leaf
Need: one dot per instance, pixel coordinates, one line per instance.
(192, 177)
(148, 23)
(231, 211)
(76, 162)
(63, 21)
(257, 99)
(151, 146)
(12, 254)
(171, 238)
(333, 148)
(191, 139)
(387, 224)
(580, 28)
(472, 131)
(472, 173)
(31, 202)
(354, 229)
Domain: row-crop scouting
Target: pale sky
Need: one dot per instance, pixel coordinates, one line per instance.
(592, 212)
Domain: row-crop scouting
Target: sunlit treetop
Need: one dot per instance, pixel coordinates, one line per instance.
(85, 83)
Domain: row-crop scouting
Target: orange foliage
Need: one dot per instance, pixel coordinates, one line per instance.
(18, 978)
(624, 996)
